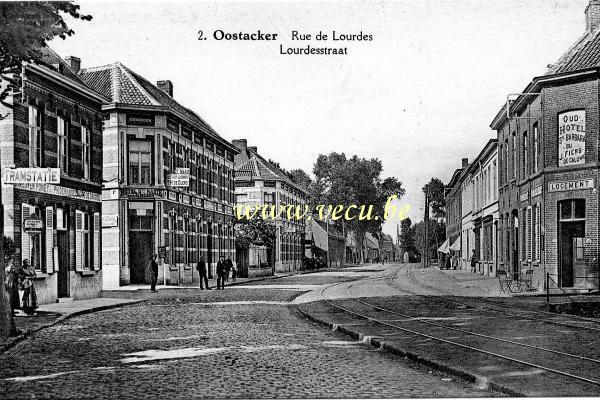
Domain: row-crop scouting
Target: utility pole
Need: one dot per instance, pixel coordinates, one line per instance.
(426, 222)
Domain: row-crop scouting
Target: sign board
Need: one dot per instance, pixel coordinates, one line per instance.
(109, 221)
(140, 119)
(536, 191)
(571, 138)
(162, 251)
(524, 196)
(571, 185)
(33, 225)
(142, 193)
(61, 191)
(13, 176)
(185, 171)
(178, 180)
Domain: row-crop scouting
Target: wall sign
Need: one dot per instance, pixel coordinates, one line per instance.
(33, 225)
(61, 191)
(134, 193)
(571, 138)
(524, 196)
(13, 176)
(536, 191)
(571, 185)
(140, 120)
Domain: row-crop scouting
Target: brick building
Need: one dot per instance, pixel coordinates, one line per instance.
(54, 121)
(147, 137)
(548, 169)
(259, 183)
(453, 196)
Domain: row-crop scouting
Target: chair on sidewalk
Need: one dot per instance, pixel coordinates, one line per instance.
(505, 281)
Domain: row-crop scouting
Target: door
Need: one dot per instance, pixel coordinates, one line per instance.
(572, 252)
(515, 256)
(209, 247)
(62, 239)
(140, 252)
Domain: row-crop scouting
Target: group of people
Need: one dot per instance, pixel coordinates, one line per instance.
(450, 261)
(224, 269)
(20, 287)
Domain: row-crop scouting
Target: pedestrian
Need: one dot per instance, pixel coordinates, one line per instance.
(29, 299)
(201, 267)
(221, 274)
(448, 261)
(229, 267)
(455, 261)
(12, 286)
(473, 261)
(233, 271)
(153, 266)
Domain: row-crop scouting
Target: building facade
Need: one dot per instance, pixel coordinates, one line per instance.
(54, 121)
(148, 137)
(453, 197)
(259, 183)
(548, 163)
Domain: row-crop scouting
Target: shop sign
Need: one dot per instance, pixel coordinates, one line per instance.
(162, 251)
(185, 199)
(571, 138)
(135, 193)
(536, 191)
(33, 225)
(173, 196)
(13, 176)
(62, 191)
(571, 185)
(181, 178)
(109, 221)
(197, 202)
(524, 196)
(140, 120)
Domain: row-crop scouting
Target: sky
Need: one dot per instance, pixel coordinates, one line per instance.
(420, 96)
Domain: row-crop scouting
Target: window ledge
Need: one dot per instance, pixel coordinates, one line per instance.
(87, 273)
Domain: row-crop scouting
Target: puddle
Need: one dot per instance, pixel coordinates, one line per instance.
(153, 355)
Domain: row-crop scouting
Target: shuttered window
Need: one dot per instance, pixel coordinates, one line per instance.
(49, 240)
(96, 241)
(83, 249)
(25, 238)
(529, 234)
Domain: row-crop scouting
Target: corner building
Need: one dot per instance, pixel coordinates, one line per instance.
(548, 162)
(54, 121)
(147, 136)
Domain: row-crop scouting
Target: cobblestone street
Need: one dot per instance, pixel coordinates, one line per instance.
(242, 342)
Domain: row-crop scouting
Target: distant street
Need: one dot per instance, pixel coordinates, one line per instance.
(247, 341)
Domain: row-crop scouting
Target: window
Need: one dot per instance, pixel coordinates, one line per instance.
(62, 145)
(140, 162)
(505, 167)
(85, 151)
(579, 248)
(495, 182)
(514, 153)
(83, 243)
(35, 137)
(535, 147)
(525, 155)
(269, 198)
(571, 210)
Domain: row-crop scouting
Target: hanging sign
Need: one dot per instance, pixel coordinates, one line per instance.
(33, 225)
(571, 138)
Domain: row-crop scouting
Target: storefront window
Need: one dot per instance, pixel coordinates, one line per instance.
(572, 210)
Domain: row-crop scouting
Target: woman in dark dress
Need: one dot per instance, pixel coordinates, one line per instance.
(27, 273)
(12, 286)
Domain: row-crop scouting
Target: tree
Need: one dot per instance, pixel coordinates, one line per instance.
(300, 178)
(255, 231)
(407, 237)
(25, 27)
(437, 200)
(354, 181)
(436, 233)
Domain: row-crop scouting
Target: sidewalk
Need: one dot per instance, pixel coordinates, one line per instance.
(48, 315)
(457, 282)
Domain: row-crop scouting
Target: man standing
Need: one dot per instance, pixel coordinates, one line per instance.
(201, 267)
(474, 261)
(221, 274)
(153, 266)
(228, 267)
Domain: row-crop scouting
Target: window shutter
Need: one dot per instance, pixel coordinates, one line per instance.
(529, 233)
(49, 240)
(96, 241)
(25, 239)
(78, 241)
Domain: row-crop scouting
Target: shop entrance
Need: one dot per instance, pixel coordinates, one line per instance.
(62, 241)
(141, 242)
(209, 248)
(515, 250)
(571, 246)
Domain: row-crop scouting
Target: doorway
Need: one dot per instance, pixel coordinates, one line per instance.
(62, 241)
(141, 245)
(571, 246)
(209, 247)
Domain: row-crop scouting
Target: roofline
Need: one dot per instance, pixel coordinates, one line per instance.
(534, 85)
(487, 149)
(67, 82)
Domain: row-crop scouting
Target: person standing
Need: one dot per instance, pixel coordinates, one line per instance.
(228, 268)
(473, 262)
(454, 261)
(202, 271)
(12, 286)
(221, 274)
(233, 271)
(27, 273)
(153, 266)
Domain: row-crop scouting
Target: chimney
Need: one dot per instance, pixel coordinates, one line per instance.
(74, 63)
(166, 86)
(592, 15)
(241, 144)
(465, 162)
(253, 149)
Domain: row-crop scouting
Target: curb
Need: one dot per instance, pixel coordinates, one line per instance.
(12, 342)
(481, 381)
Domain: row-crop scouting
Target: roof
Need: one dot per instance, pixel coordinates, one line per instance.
(583, 54)
(372, 243)
(51, 58)
(254, 166)
(121, 85)
(487, 149)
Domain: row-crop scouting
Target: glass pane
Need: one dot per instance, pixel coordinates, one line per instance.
(565, 210)
(145, 174)
(146, 223)
(580, 208)
(144, 145)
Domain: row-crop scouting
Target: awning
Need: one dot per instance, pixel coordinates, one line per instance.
(456, 245)
(444, 247)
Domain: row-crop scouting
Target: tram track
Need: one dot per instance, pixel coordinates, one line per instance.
(438, 332)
